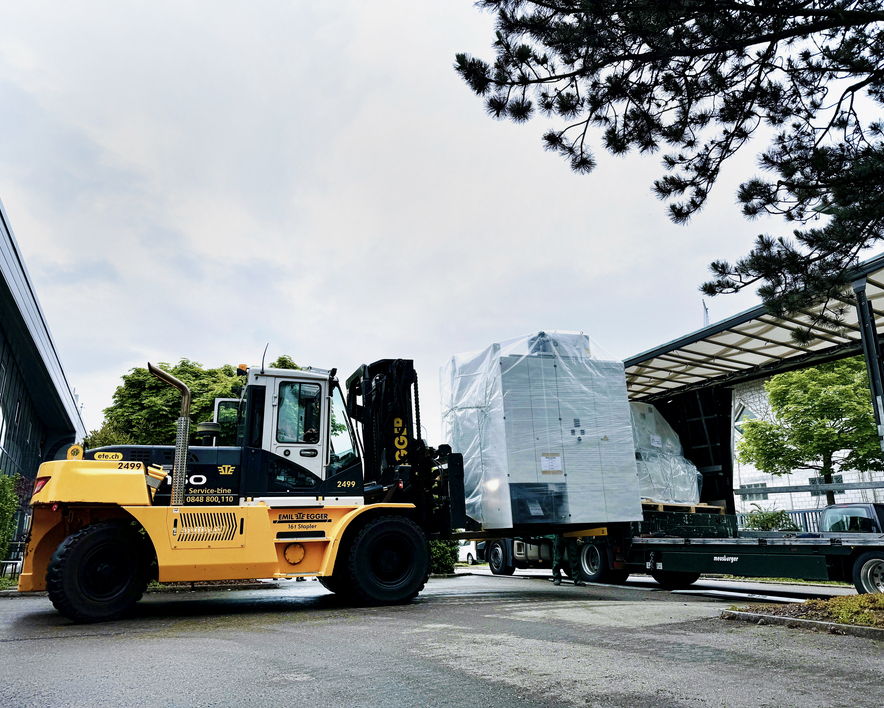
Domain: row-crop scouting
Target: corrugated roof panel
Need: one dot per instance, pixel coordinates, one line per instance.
(752, 345)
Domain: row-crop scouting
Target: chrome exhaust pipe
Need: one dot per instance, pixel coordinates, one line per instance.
(182, 437)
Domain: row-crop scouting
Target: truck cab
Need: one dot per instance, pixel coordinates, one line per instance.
(853, 518)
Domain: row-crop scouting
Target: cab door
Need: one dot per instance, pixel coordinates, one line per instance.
(297, 429)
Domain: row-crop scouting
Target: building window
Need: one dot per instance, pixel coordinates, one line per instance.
(836, 479)
(761, 496)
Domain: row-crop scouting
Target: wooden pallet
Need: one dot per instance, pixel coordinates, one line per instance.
(648, 505)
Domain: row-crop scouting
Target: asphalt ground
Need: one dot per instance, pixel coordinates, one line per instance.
(471, 640)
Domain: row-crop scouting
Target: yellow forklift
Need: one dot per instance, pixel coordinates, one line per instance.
(319, 483)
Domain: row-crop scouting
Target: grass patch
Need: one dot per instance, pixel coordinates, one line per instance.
(863, 610)
(8, 583)
(790, 581)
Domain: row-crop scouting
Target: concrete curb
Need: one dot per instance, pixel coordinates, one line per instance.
(794, 623)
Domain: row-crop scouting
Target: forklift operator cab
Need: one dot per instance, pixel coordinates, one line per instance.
(308, 448)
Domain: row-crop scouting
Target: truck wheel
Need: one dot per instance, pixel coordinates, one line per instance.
(868, 573)
(497, 560)
(595, 567)
(98, 573)
(389, 561)
(674, 580)
(470, 559)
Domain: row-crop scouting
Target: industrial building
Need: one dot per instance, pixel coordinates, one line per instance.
(39, 415)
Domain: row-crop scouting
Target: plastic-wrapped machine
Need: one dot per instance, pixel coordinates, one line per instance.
(663, 474)
(545, 432)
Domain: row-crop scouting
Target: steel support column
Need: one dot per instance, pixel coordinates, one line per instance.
(872, 352)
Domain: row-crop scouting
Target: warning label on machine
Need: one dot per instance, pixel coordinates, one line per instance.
(551, 463)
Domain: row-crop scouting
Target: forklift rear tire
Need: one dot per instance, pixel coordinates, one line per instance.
(497, 560)
(674, 579)
(868, 573)
(98, 573)
(389, 561)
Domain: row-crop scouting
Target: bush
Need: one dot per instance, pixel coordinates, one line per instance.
(8, 505)
(443, 556)
(768, 520)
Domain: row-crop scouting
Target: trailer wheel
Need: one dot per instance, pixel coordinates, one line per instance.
(98, 573)
(595, 567)
(674, 579)
(389, 561)
(497, 560)
(868, 573)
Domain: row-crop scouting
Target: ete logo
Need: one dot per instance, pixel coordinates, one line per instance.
(108, 455)
(226, 469)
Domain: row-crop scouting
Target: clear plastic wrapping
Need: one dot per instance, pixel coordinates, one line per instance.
(545, 431)
(663, 474)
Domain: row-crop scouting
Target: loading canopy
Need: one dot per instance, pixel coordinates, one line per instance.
(755, 344)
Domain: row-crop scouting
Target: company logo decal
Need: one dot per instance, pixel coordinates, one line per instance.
(226, 469)
(726, 559)
(108, 455)
(303, 516)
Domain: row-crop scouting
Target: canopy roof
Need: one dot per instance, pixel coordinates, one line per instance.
(751, 345)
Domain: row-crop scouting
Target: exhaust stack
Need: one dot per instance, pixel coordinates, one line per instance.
(182, 437)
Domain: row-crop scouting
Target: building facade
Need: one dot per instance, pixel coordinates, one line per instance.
(39, 416)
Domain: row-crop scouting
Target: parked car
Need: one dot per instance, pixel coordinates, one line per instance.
(467, 553)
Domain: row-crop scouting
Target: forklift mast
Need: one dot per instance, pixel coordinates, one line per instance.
(398, 465)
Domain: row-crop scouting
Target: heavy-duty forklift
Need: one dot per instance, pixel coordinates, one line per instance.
(318, 484)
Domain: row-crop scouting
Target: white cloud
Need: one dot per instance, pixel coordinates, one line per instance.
(196, 180)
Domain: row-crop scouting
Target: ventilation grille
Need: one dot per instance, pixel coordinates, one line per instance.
(139, 455)
(197, 527)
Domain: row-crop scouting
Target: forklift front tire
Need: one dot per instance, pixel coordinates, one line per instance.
(98, 573)
(389, 561)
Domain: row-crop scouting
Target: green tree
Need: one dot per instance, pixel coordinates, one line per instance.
(9, 504)
(822, 421)
(145, 410)
(698, 78)
(284, 361)
(106, 435)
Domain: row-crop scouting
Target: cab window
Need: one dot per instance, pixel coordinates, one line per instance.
(299, 413)
(848, 520)
(341, 441)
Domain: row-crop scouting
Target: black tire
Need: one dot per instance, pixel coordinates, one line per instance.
(338, 585)
(497, 560)
(617, 577)
(595, 566)
(470, 559)
(868, 573)
(674, 580)
(98, 573)
(389, 561)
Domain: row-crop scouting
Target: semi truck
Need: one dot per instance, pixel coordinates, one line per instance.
(676, 543)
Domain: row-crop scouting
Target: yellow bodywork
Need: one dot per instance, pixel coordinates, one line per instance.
(192, 543)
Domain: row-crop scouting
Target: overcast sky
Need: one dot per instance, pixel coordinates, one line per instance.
(199, 179)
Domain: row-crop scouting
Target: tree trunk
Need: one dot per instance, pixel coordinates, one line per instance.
(827, 478)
